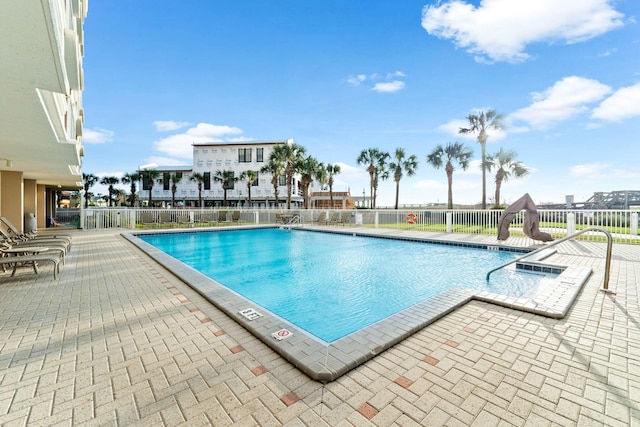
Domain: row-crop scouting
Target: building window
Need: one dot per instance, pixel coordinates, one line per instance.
(244, 155)
(232, 182)
(282, 180)
(255, 182)
(166, 180)
(207, 180)
(260, 155)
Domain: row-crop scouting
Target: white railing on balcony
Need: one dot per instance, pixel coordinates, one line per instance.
(622, 224)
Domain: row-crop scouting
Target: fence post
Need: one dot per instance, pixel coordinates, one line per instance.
(132, 218)
(256, 216)
(634, 223)
(571, 223)
(375, 219)
(449, 222)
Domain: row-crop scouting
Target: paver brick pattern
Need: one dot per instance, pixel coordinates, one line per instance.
(118, 340)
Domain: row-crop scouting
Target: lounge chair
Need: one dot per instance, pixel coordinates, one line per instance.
(14, 233)
(322, 218)
(148, 218)
(33, 260)
(185, 219)
(167, 218)
(209, 218)
(335, 217)
(53, 242)
(344, 219)
(222, 217)
(235, 217)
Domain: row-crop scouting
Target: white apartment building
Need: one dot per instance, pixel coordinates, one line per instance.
(210, 158)
(41, 83)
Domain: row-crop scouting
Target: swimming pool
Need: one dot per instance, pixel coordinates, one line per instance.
(326, 361)
(332, 285)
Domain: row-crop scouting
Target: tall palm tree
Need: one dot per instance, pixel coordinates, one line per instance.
(175, 178)
(227, 178)
(309, 168)
(291, 156)
(149, 176)
(507, 166)
(401, 165)
(478, 124)
(89, 180)
(200, 179)
(250, 176)
(110, 181)
(275, 168)
(375, 163)
(451, 152)
(332, 170)
(131, 179)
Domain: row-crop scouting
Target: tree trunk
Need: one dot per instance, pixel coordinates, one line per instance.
(397, 192)
(449, 170)
(499, 179)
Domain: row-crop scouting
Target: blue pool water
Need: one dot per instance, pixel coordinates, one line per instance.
(332, 285)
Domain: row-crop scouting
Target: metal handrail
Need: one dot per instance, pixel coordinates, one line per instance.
(605, 286)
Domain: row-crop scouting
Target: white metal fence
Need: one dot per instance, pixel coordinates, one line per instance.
(622, 224)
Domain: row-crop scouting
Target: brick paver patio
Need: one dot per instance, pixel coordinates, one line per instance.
(118, 340)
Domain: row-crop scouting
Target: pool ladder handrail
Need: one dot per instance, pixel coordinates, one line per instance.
(607, 268)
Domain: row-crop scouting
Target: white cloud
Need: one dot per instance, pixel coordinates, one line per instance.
(96, 136)
(356, 80)
(393, 86)
(565, 99)
(500, 30)
(179, 145)
(624, 103)
(168, 125)
(589, 170)
(389, 83)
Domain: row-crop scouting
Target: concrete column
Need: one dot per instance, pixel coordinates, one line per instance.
(11, 198)
(41, 206)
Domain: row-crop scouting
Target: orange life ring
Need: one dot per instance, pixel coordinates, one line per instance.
(412, 218)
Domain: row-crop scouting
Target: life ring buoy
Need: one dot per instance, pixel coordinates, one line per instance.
(412, 218)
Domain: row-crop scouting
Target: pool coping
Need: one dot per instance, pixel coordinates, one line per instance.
(325, 362)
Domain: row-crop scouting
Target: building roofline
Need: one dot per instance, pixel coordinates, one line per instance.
(223, 143)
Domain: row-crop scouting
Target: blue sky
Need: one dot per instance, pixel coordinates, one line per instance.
(342, 76)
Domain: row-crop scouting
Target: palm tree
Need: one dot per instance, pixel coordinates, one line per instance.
(478, 124)
(275, 168)
(331, 171)
(110, 181)
(322, 177)
(381, 173)
(309, 168)
(119, 196)
(250, 176)
(291, 156)
(89, 180)
(507, 166)
(200, 179)
(375, 162)
(132, 179)
(227, 178)
(175, 179)
(149, 176)
(451, 152)
(401, 165)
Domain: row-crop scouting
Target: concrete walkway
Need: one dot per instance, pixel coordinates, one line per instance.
(118, 340)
